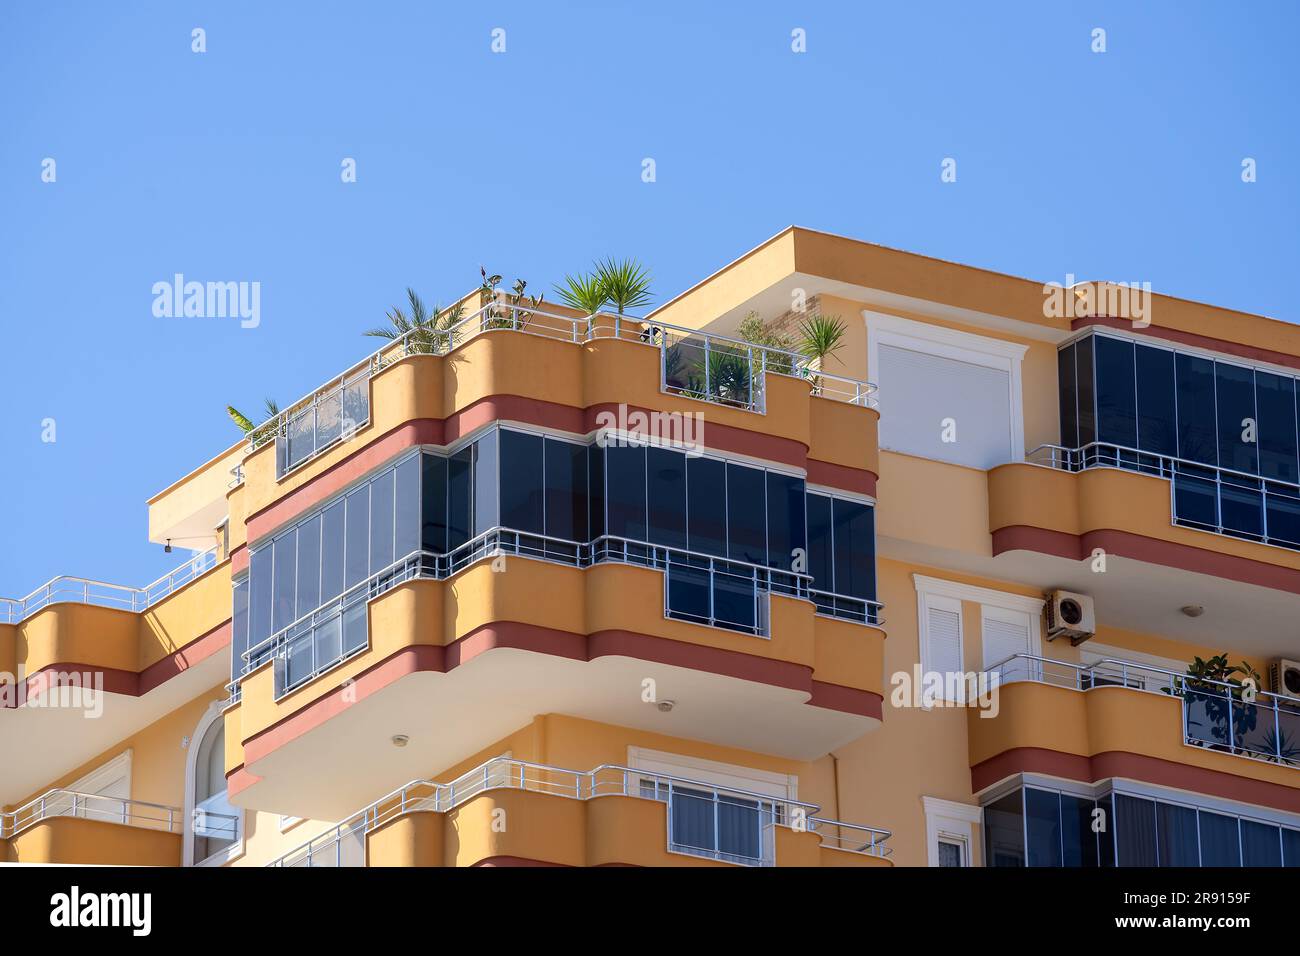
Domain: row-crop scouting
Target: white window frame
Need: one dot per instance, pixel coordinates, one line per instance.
(236, 849)
(951, 822)
(925, 600)
(943, 342)
(782, 786)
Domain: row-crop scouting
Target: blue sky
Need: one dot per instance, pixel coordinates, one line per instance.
(225, 166)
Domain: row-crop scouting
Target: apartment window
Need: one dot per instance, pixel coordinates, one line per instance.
(952, 853)
(941, 636)
(947, 395)
(215, 831)
(522, 468)
(1005, 632)
(951, 830)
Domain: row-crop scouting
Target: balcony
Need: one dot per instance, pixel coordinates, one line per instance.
(66, 827)
(1122, 718)
(611, 815)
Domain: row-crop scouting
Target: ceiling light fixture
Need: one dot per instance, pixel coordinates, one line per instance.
(400, 740)
(1193, 610)
(666, 705)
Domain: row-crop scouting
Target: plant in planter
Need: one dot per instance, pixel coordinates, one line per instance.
(425, 332)
(505, 310)
(774, 348)
(258, 435)
(1217, 708)
(821, 337)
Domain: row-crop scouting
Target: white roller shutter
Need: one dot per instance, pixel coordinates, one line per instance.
(942, 636)
(1005, 633)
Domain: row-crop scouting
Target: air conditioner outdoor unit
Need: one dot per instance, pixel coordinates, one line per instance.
(1284, 677)
(1070, 615)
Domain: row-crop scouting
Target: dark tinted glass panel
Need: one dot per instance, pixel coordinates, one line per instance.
(666, 489)
(1275, 405)
(521, 482)
(566, 490)
(406, 530)
(689, 594)
(1283, 505)
(706, 506)
(286, 547)
(239, 628)
(1116, 393)
(1260, 844)
(1043, 827)
(1241, 505)
(259, 594)
(855, 559)
(460, 470)
(746, 514)
(1106, 835)
(1290, 847)
(625, 492)
(785, 520)
(1176, 831)
(1197, 429)
(734, 597)
(1135, 831)
(382, 497)
(819, 542)
(1004, 831)
(1087, 395)
(433, 510)
(1078, 841)
(331, 564)
(1196, 497)
(308, 566)
(1157, 418)
(596, 490)
(1219, 840)
(356, 549)
(486, 483)
(1069, 397)
(1235, 391)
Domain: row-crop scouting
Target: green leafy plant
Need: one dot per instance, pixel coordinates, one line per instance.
(1205, 685)
(257, 434)
(774, 348)
(505, 310)
(425, 331)
(821, 337)
(584, 292)
(625, 282)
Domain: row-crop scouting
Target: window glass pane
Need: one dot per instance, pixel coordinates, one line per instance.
(1157, 421)
(1043, 823)
(1135, 831)
(566, 490)
(354, 627)
(1106, 838)
(950, 854)
(1290, 847)
(356, 559)
(433, 511)
(1004, 831)
(460, 468)
(1275, 405)
(1078, 842)
(819, 542)
(259, 594)
(239, 629)
(1068, 397)
(286, 547)
(855, 546)
(308, 566)
(1116, 394)
(331, 572)
(381, 522)
(1176, 833)
(1084, 381)
(521, 481)
(666, 484)
(1219, 840)
(689, 594)
(1197, 427)
(1260, 844)
(596, 490)
(406, 533)
(734, 596)
(625, 491)
(1235, 392)
(706, 506)
(486, 483)
(785, 520)
(746, 514)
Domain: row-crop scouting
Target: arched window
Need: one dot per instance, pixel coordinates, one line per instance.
(215, 831)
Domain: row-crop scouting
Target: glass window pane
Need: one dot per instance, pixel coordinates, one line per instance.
(521, 481)
(328, 641)
(1106, 838)
(625, 492)
(1135, 831)
(1260, 844)
(282, 613)
(566, 490)
(1290, 847)
(308, 566)
(1157, 419)
(666, 494)
(1219, 840)
(354, 627)
(1043, 825)
(1004, 831)
(596, 491)
(406, 532)
(785, 520)
(819, 542)
(706, 506)
(1087, 397)
(1234, 388)
(855, 549)
(1078, 842)
(1197, 428)
(746, 514)
(688, 591)
(1069, 397)
(1116, 392)
(239, 629)
(1176, 833)
(331, 572)
(460, 469)
(1275, 405)
(381, 521)
(259, 594)
(356, 558)
(433, 511)
(734, 596)
(486, 483)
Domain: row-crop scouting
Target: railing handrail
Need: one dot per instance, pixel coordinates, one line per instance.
(481, 779)
(1080, 450)
(10, 822)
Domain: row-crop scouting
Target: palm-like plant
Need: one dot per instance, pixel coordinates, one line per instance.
(626, 283)
(820, 337)
(423, 330)
(584, 292)
(257, 434)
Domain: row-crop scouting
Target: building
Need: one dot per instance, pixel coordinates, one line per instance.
(566, 589)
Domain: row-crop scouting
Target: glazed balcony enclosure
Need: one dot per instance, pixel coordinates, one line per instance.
(611, 815)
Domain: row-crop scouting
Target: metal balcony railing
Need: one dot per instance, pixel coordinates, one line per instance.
(1205, 497)
(720, 823)
(1217, 715)
(70, 590)
(699, 365)
(90, 806)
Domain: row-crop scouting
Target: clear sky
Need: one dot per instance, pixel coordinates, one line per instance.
(225, 166)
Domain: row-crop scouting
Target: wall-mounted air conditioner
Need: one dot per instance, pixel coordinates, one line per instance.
(1284, 677)
(1070, 615)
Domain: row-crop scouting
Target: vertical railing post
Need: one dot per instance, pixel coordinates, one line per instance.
(1277, 732)
(1232, 731)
